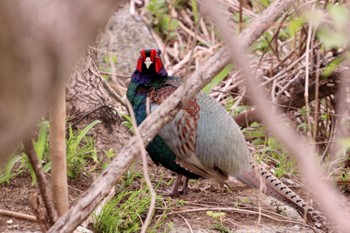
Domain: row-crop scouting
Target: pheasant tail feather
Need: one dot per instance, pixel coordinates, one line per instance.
(273, 187)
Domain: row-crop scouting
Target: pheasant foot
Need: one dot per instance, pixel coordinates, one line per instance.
(175, 188)
(184, 189)
(175, 191)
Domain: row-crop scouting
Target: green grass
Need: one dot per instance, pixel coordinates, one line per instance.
(126, 211)
(10, 170)
(161, 21)
(80, 151)
(123, 213)
(217, 79)
(269, 150)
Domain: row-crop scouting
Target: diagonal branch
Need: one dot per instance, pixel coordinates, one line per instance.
(42, 181)
(325, 193)
(151, 126)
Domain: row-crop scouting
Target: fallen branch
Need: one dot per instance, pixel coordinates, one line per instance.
(151, 126)
(12, 214)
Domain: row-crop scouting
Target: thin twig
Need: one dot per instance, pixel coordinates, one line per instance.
(39, 211)
(84, 116)
(187, 223)
(108, 88)
(307, 76)
(317, 101)
(44, 186)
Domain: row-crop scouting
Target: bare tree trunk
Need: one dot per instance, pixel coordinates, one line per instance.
(58, 150)
(88, 101)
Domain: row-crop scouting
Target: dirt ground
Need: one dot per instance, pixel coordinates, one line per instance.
(15, 197)
(204, 195)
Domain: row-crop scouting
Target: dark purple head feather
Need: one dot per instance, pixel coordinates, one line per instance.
(149, 67)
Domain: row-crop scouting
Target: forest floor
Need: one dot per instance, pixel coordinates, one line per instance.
(231, 204)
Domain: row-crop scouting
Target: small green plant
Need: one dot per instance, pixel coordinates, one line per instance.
(110, 58)
(220, 227)
(262, 44)
(279, 209)
(78, 153)
(256, 133)
(194, 10)
(216, 215)
(127, 121)
(125, 212)
(10, 171)
(109, 154)
(218, 224)
(245, 200)
(20, 162)
(161, 20)
(217, 79)
(283, 163)
(41, 148)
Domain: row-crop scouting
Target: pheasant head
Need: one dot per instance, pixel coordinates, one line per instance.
(149, 74)
(150, 61)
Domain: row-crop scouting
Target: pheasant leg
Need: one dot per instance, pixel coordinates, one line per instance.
(175, 189)
(184, 189)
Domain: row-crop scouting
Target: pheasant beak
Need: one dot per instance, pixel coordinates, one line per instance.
(148, 62)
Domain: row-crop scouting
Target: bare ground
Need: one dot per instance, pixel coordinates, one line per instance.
(204, 195)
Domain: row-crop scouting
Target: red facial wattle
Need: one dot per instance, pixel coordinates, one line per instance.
(157, 61)
(141, 60)
(154, 57)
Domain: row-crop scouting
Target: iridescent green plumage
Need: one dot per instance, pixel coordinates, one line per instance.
(158, 150)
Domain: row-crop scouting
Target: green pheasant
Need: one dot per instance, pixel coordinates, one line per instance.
(203, 140)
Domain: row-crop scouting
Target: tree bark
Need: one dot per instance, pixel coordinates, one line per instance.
(88, 101)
